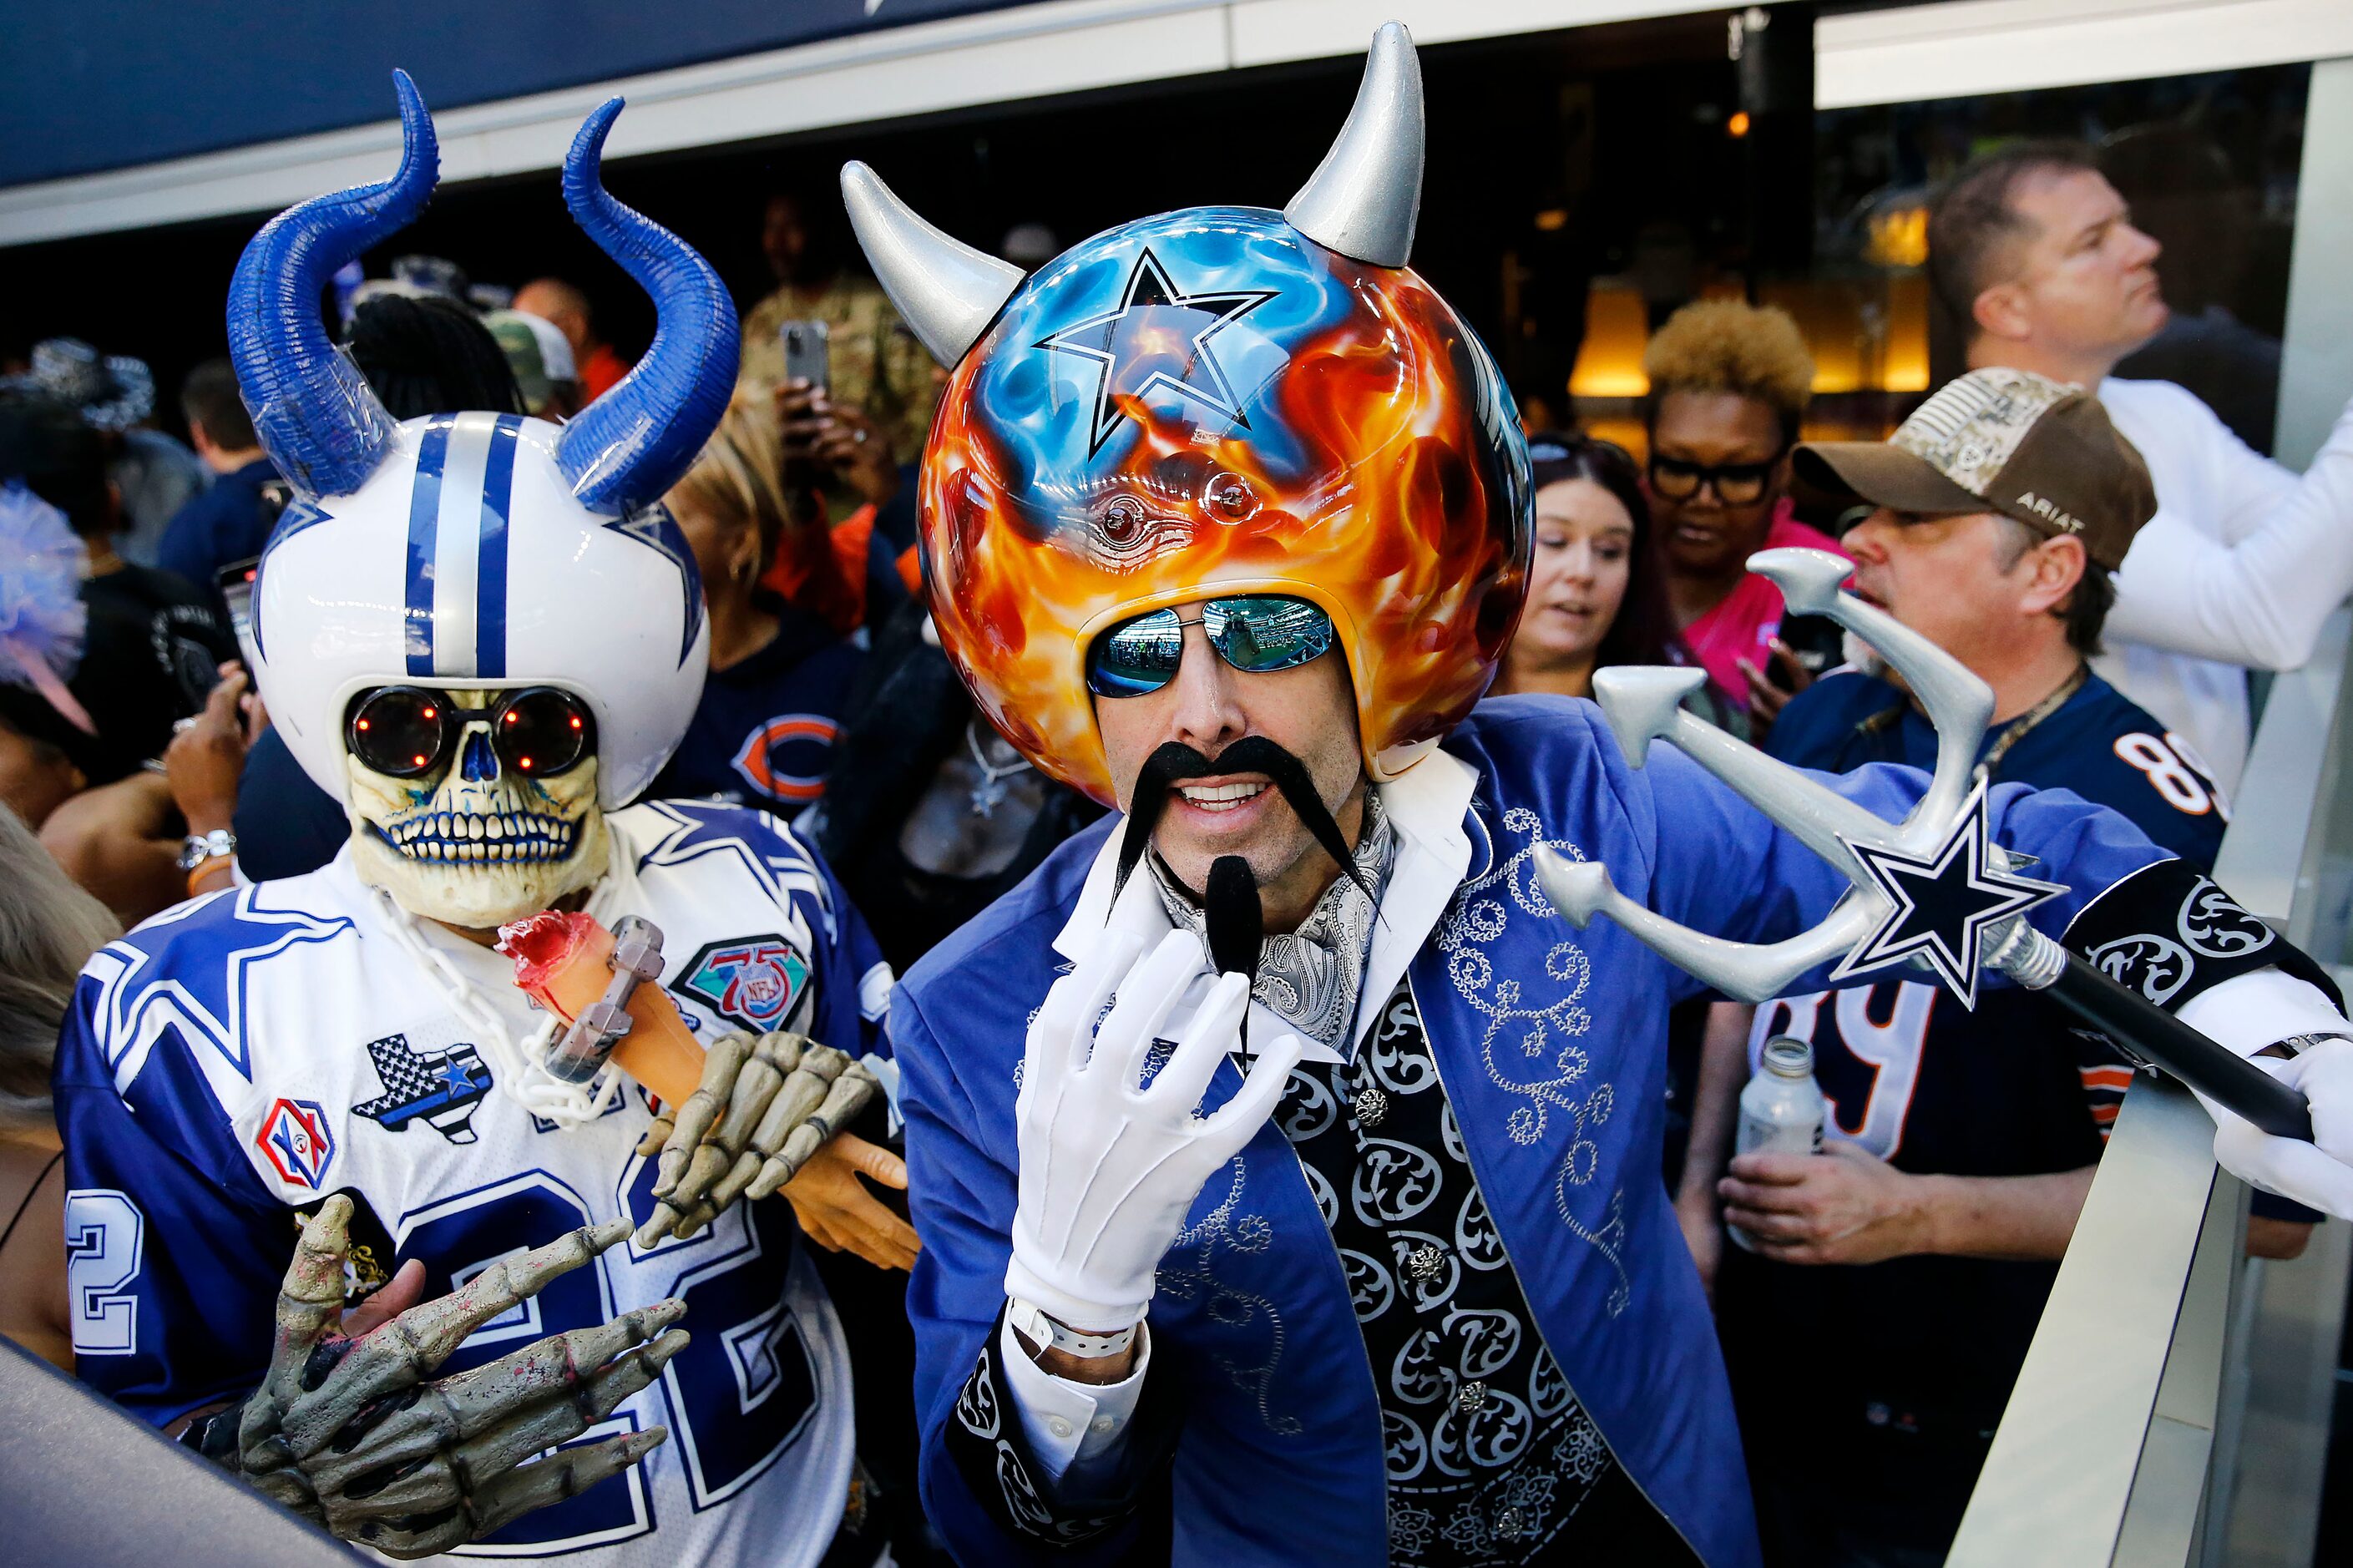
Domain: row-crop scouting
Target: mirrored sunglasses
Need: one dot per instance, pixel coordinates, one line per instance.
(1256, 633)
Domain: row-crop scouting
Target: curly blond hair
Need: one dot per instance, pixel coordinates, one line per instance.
(1730, 345)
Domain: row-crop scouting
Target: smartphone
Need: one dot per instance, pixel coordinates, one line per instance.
(809, 353)
(235, 582)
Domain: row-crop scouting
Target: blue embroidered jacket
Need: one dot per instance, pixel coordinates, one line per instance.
(1550, 1042)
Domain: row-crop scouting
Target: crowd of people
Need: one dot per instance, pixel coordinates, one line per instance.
(857, 772)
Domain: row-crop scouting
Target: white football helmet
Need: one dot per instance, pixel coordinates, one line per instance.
(477, 549)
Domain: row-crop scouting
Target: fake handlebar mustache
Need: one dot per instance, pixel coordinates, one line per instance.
(1231, 910)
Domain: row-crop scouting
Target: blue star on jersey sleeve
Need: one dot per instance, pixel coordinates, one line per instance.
(173, 1248)
(186, 970)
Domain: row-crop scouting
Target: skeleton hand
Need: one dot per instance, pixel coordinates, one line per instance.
(354, 1433)
(782, 1096)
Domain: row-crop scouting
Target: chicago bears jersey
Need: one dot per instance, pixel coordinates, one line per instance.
(764, 729)
(234, 1061)
(1897, 1403)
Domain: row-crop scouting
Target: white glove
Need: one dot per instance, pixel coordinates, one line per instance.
(1109, 1170)
(2319, 1174)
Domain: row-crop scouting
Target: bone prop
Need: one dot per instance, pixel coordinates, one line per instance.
(590, 978)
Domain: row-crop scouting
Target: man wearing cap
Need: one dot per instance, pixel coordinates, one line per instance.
(1961, 1144)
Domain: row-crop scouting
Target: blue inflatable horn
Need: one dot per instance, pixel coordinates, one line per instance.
(324, 427)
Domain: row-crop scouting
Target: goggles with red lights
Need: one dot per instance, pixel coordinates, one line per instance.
(407, 731)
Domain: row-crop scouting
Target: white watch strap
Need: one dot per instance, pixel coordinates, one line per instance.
(1029, 1321)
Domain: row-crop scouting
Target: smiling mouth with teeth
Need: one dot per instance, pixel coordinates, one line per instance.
(445, 836)
(1220, 797)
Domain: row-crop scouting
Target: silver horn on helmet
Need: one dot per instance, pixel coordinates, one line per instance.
(1645, 704)
(947, 291)
(1362, 202)
(1365, 198)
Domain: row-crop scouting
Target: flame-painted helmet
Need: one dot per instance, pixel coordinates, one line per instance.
(478, 548)
(1223, 400)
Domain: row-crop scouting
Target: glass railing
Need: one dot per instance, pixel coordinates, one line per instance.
(2165, 1413)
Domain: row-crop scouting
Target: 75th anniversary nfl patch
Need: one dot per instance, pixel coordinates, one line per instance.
(752, 982)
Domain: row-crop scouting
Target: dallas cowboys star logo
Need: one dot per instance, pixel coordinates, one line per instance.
(653, 527)
(1940, 908)
(1156, 339)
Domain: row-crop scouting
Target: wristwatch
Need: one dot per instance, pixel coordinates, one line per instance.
(1031, 1322)
(199, 848)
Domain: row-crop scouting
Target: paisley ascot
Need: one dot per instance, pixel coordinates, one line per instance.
(1208, 402)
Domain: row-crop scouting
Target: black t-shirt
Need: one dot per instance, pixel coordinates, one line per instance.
(153, 650)
(1881, 1385)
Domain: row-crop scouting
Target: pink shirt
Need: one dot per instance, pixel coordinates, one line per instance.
(1750, 615)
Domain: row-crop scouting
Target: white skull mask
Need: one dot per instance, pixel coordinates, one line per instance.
(477, 839)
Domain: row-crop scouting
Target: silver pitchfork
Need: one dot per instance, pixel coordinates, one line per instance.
(1932, 891)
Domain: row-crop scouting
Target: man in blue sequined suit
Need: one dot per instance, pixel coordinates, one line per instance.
(1226, 521)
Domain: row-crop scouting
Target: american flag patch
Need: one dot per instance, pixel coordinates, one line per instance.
(441, 1087)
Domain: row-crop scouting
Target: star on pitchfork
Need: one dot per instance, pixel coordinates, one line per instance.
(1940, 907)
(1156, 323)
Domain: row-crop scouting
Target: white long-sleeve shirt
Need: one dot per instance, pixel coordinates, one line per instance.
(2239, 568)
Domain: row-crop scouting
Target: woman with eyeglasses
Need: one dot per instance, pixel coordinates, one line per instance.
(1596, 591)
(1729, 382)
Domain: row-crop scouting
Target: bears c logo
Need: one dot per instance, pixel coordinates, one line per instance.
(297, 1141)
(789, 757)
(753, 982)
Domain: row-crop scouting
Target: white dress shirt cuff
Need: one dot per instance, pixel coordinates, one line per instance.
(2248, 1011)
(1068, 1423)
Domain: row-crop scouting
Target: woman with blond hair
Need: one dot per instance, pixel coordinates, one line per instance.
(48, 928)
(764, 729)
(1729, 384)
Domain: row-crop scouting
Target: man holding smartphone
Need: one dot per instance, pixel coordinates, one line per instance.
(876, 366)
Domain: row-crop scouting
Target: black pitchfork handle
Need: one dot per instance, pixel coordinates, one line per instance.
(2149, 1031)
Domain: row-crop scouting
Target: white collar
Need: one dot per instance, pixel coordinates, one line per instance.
(1425, 806)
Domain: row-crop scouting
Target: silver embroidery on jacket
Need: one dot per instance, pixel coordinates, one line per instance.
(1529, 1049)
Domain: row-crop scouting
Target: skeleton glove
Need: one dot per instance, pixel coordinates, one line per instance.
(1110, 1164)
(762, 1108)
(356, 1435)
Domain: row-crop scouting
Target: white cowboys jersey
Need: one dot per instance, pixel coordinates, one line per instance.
(236, 1059)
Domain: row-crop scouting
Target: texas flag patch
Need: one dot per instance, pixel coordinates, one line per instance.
(296, 1141)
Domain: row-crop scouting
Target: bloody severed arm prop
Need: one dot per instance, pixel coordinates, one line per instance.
(741, 1118)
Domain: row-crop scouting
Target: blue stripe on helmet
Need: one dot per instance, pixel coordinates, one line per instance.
(424, 530)
(491, 573)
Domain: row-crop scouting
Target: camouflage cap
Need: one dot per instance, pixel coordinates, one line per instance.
(2002, 440)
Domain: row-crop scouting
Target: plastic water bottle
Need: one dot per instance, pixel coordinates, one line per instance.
(1781, 1111)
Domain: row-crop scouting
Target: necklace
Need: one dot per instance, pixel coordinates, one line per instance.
(2031, 718)
(990, 792)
